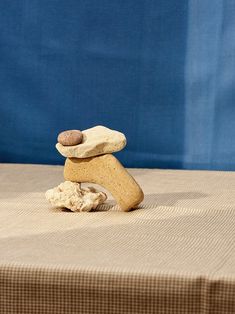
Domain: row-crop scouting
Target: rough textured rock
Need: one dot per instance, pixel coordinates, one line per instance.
(70, 137)
(72, 196)
(107, 171)
(96, 141)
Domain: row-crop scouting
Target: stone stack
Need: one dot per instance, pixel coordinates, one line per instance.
(89, 159)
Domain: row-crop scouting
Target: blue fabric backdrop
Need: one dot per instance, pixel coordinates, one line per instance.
(161, 71)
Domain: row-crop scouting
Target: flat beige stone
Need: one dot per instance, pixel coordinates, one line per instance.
(96, 141)
(107, 171)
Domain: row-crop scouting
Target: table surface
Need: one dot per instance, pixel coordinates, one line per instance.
(180, 241)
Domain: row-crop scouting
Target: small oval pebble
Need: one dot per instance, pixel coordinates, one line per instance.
(70, 137)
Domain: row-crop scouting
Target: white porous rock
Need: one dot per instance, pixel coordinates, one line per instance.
(96, 141)
(70, 195)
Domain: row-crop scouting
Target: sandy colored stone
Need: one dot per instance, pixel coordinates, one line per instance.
(96, 141)
(70, 137)
(107, 171)
(70, 195)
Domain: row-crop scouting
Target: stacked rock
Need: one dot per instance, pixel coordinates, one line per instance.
(95, 141)
(89, 159)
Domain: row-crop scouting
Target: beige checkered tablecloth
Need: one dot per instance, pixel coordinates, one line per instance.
(175, 254)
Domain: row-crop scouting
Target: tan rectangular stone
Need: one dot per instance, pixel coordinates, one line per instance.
(107, 171)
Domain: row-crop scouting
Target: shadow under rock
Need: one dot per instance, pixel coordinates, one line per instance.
(109, 204)
(170, 199)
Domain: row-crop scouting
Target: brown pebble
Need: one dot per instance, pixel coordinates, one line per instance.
(70, 137)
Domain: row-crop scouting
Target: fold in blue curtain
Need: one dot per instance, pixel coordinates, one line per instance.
(161, 71)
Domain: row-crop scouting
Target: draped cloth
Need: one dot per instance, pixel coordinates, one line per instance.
(174, 254)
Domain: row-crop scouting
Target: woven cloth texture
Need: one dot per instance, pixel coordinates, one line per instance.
(174, 254)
